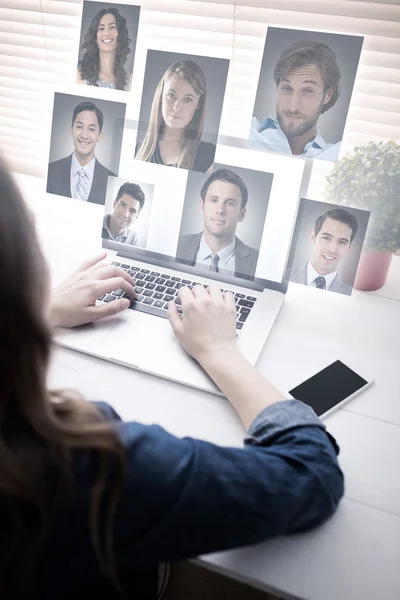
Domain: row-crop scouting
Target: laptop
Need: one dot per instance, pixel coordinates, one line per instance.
(171, 221)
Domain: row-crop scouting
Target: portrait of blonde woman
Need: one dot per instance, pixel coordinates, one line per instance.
(176, 121)
(106, 46)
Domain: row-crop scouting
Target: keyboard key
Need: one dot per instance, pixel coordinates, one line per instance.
(179, 309)
(148, 301)
(239, 325)
(245, 303)
(135, 269)
(158, 295)
(118, 293)
(138, 290)
(155, 274)
(139, 298)
(140, 276)
(149, 278)
(164, 276)
(109, 298)
(125, 266)
(147, 293)
(175, 278)
(160, 288)
(240, 295)
(186, 282)
(159, 304)
(169, 283)
(170, 291)
(178, 285)
(160, 280)
(197, 283)
(150, 286)
(244, 310)
(243, 317)
(145, 271)
(168, 298)
(177, 301)
(251, 298)
(117, 264)
(102, 298)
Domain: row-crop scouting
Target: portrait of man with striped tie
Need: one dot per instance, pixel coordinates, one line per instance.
(80, 175)
(332, 240)
(223, 205)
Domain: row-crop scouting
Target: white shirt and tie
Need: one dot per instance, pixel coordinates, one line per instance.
(81, 178)
(314, 279)
(223, 260)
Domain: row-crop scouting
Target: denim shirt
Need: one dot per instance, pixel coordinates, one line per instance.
(186, 497)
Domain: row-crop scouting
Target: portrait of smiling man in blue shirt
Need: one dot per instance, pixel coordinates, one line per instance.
(307, 78)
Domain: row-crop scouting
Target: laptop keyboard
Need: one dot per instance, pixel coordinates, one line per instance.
(154, 290)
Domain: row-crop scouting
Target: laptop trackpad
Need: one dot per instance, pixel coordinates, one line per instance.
(154, 349)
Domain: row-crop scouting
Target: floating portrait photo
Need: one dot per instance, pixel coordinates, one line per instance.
(85, 147)
(326, 247)
(107, 45)
(304, 92)
(127, 211)
(223, 220)
(181, 109)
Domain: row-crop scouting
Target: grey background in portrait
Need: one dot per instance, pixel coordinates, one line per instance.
(108, 151)
(130, 13)
(142, 223)
(347, 49)
(216, 73)
(302, 247)
(250, 230)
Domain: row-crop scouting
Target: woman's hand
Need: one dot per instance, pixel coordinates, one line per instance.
(208, 322)
(74, 301)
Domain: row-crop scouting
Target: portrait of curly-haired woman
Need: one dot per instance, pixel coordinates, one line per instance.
(107, 45)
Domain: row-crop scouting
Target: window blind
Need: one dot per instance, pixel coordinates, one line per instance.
(39, 45)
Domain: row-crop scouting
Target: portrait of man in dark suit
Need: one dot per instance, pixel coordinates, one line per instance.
(332, 237)
(80, 175)
(223, 204)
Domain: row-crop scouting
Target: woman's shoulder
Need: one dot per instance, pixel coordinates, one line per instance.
(204, 156)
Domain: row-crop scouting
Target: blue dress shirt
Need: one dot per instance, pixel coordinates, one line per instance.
(269, 136)
(186, 497)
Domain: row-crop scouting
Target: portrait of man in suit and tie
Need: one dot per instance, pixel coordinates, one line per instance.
(80, 174)
(223, 205)
(331, 238)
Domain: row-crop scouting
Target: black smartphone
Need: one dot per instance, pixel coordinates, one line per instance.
(329, 389)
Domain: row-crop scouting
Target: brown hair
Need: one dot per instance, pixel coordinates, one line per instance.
(304, 53)
(41, 430)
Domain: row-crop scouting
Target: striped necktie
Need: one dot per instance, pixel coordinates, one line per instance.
(214, 262)
(81, 189)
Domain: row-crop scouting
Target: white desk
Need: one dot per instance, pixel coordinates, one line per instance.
(356, 555)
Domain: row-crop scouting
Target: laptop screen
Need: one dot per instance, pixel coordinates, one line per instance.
(233, 223)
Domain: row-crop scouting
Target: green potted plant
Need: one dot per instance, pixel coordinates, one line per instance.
(369, 178)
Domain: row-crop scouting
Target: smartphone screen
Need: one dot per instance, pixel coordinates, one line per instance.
(329, 387)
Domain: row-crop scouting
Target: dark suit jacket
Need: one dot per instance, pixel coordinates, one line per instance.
(245, 257)
(299, 275)
(59, 180)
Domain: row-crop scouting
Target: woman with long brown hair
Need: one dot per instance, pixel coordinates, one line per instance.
(177, 116)
(105, 51)
(90, 505)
